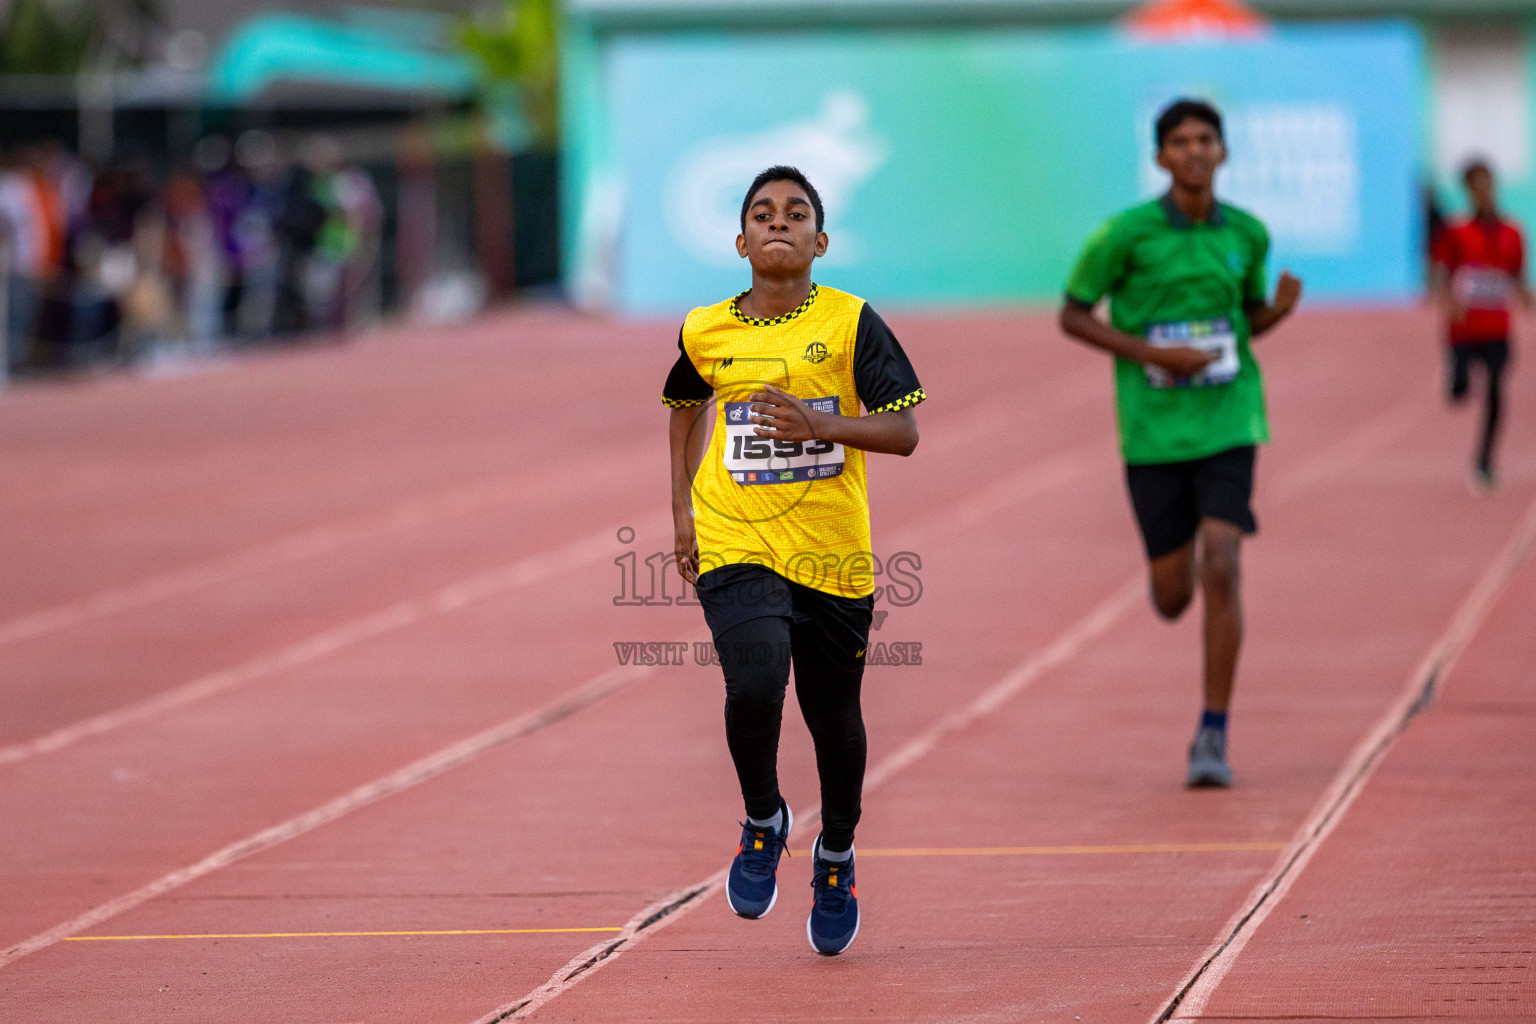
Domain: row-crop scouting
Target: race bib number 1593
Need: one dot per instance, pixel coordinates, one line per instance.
(758, 460)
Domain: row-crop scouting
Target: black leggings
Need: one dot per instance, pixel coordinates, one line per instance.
(823, 638)
(756, 657)
(1494, 355)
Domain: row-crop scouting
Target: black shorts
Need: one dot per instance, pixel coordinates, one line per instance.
(1170, 498)
(733, 594)
(1492, 354)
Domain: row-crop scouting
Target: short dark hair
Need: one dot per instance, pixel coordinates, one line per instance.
(781, 172)
(1477, 165)
(1181, 110)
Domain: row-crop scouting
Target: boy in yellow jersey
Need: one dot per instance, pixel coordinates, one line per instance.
(772, 525)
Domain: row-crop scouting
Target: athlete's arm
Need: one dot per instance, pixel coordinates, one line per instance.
(1077, 321)
(782, 416)
(1263, 318)
(1522, 289)
(687, 394)
(687, 443)
(1101, 269)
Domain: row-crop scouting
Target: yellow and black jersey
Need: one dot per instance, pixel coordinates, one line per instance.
(799, 508)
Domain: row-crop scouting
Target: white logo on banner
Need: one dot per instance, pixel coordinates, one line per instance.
(1296, 166)
(835, 148)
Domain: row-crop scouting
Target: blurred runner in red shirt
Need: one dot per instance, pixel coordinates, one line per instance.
(1479, 271)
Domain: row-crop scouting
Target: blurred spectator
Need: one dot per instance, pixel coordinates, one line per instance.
(146, 306)
(21, 237)
(109, 276)
(256, 234)
(342, 271)
(71, 177)
(192, 259)
(232, 242)
(35, 225)
(229, 195)
(296, 228)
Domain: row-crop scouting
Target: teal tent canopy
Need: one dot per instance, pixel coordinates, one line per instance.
(287, 48)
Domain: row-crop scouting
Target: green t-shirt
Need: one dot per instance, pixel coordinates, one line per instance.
(1178, 282)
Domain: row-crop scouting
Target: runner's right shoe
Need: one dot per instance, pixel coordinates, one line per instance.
(1208, 759)
(753, 885)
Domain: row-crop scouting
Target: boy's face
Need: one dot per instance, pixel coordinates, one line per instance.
(1191, 153)
(1480, 190)
(780, 234)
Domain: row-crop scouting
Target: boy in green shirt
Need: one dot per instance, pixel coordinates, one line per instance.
(1185, 278)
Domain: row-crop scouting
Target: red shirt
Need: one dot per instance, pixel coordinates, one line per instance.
(1484, 260)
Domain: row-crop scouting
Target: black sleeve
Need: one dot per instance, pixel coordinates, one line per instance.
(684, 387)
(881, 372)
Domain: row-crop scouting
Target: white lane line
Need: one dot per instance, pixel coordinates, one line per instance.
(1338, 459)
(664, 911)
(404, 516)
(411, 775)
(1195, 990)
(521, 573)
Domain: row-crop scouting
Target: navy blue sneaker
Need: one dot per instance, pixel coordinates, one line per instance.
(753, 885)
(834, 920)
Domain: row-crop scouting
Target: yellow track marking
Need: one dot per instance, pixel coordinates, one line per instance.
(1028, 851)
(332, 935)
(951, 851)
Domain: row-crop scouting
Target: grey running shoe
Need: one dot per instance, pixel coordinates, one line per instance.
(1208, 759)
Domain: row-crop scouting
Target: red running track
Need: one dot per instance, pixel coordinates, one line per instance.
(320, 645)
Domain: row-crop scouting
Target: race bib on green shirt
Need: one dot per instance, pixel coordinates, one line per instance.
(1216, 336)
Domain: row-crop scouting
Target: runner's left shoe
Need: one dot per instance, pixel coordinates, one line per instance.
(1208, 759)
(834, 920)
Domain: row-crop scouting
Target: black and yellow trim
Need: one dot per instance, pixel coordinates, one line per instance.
(904, 402)
(682, 403)
(752, 321)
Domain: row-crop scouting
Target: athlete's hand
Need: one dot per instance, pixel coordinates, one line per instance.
(1180, 360)
(1287, 292)
(685, 545)
(782, 416)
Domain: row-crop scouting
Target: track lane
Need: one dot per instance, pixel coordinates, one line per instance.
(125, 477)
(229, 745)
(1193, 999)
(1111, 496)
